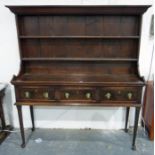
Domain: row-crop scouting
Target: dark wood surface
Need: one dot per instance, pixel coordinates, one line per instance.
(79, 55)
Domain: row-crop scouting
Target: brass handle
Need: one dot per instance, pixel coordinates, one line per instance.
(27, 94)
(88, 95)
(46, 95)
(130, 96)
(108, 95)
(67, 95)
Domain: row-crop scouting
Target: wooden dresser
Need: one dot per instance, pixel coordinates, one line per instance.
(78, 56)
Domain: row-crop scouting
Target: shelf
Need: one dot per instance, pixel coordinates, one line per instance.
(81, 78)
(79, 37)
(79, 59)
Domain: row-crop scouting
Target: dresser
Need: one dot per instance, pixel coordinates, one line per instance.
(78, 56)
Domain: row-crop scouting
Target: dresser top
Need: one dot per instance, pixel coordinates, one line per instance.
(78, 9)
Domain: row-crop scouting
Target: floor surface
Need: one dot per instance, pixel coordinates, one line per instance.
(77, 142)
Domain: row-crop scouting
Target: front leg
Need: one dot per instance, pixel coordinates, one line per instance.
(126, 119)
(32, 117)
(135, 127)
(19, 108)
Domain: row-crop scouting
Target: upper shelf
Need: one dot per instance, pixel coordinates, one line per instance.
(78, 37)
(79, 59)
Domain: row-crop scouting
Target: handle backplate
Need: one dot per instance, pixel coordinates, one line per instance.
(108, 95)
(67, 95)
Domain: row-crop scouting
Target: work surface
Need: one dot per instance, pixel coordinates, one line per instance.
(77, 142)
(80, 78)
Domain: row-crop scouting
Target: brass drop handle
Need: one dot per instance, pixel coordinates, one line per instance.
(108, 95)
(27, 94)
(88, 95)
(46, 95)
(130, 96)
(67, 95)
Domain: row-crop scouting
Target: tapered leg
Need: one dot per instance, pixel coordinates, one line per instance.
(19, 108)
(135, 127)
(126, 119)
(32, 117)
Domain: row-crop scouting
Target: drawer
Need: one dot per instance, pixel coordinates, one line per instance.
(35, 93)
(120, 94)
(81, 94)
(75, 93)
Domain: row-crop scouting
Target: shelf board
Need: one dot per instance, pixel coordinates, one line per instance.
(79, 59)
(79, 37)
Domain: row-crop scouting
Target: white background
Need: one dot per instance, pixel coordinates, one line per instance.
(64, 117)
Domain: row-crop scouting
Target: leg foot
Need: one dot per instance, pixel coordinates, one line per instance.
(134, 148)
(126, 130)
(23, 145)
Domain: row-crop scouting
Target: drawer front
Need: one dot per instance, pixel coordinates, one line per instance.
(79, 94)
(76, 94)
(120, 94)
(35, 93)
